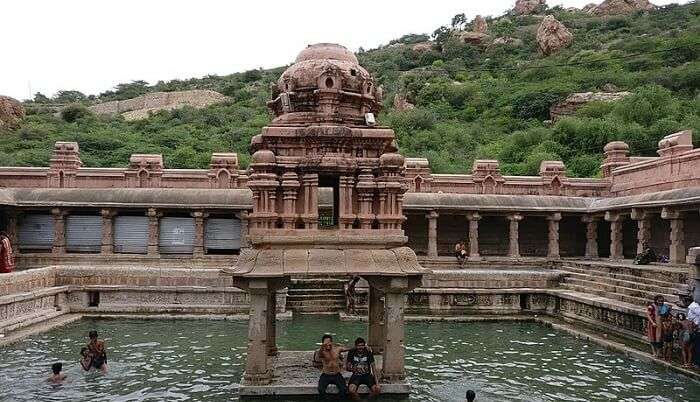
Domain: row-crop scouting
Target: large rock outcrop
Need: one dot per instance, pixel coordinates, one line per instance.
(621, 7)
(573, 102)
(529, 7)
(552, 36)
(139, 107)
(479, 24)
(11, 111)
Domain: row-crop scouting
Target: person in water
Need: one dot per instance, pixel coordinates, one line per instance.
(686, 328)
(668, 328)
(56, 377)
(97, 352)
(85, 359)
(471, 395)
(360, 363)
(655, 311)
(331, 360)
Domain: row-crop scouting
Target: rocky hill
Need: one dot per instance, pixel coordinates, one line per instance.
(471, 89)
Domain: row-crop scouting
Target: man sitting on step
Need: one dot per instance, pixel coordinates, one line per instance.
(331, 360)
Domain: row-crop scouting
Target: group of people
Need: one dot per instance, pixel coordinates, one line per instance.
(359, 362)
(667, 332)
(648, 255)
(93, 355)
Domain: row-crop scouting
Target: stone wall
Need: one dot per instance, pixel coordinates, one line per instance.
(139, 107)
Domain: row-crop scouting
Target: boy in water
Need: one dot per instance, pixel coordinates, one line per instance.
(330, 356)
(86, 359)
(361, 364)
(685, 338)
(668, 329)
(96, 351)
(56, 377)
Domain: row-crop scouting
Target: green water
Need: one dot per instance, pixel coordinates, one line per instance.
(181, 360)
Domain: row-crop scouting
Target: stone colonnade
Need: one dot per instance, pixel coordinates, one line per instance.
(677, 248)
(107, 242)
(385, 332)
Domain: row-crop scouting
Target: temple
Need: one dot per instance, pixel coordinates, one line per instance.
(328, 195)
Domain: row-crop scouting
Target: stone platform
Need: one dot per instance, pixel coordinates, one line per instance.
(295, 376)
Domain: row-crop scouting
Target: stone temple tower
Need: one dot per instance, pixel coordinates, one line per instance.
(324, 136)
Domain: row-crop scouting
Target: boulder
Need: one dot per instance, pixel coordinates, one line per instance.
(529, 7)
(11, 112)
(552, 36)
(400, 103)
(588, 8)
(422, 47)
(621, 7)
(573, 102)
(474, 38)
(479, 24)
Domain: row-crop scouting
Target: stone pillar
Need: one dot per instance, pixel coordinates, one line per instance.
(591, 236)
(346, 216)
(615, 220)
(473, 218)
(11, 230)
(676, 253)
(366, 187)
(107, 230)
(290, 191)
(693, 259)
(310, 216)
(432, 217)
(199, 217)
(59, 231)
(272, 323)
(153, 231)
(257, 371)
(375, 335)
(243, 217)
(394, 353)
(513, 244)
(643, 228)
(553, 236)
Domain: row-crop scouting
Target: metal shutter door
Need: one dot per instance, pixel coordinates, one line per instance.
(36, 232)
(131, 234)
(84, 233)
(176, 235)
(223, 234)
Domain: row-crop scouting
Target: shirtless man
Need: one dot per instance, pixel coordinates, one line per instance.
(56, 377)
(330, 356)
(96, 350)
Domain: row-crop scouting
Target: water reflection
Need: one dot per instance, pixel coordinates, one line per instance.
(203, 360)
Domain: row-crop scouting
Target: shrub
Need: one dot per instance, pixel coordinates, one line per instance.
(534, 105)
(73, 112)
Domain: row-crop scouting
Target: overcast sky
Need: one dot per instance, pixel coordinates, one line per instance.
(92, 45)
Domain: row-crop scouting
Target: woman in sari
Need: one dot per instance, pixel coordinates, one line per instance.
(655, 311)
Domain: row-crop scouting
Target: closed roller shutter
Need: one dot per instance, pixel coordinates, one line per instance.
(83, 233)
(131, 234)
(36, 233)
(176, 235)
(222, 234)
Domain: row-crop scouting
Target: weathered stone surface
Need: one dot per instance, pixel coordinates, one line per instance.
(400, 103)
(139, 107)
(11, 111)
(528, 7)
(422, 47)
(588, 8)
(573, 102)
(552, 36)
(474, 38)
(479, 24)
(620, 7)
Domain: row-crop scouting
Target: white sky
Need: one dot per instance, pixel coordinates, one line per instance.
(92, 45)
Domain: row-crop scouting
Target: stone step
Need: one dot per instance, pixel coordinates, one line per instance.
(633, 292)
(315, 302)
(296, 291)
(674, 274)
(627, 277)
(19, 322)
(637, 301)
(646, 287)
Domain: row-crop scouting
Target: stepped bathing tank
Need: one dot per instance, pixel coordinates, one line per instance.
(328, 196)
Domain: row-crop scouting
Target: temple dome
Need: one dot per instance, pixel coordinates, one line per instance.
(326, 84)
(321, 51)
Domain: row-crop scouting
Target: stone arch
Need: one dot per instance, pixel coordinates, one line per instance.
(556, 185)
(61, 179)
(223, 179)
(489, 185)
(417, 184)
(143, 178)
